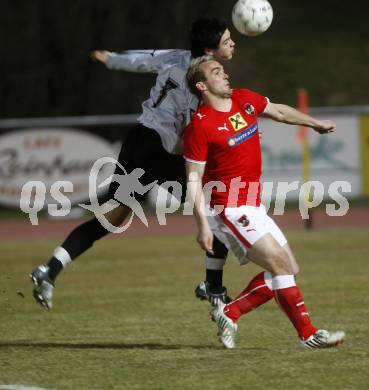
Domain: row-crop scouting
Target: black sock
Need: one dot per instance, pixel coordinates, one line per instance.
(55, 267)
(83, 236)
(78, 241)
(215, 280)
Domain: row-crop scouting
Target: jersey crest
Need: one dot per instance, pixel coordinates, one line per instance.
(249, 109)
(237, 122)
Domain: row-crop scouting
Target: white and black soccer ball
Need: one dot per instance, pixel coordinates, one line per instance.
(252, 17)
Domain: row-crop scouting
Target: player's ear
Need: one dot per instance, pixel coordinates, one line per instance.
(208, 52)
(201, 86)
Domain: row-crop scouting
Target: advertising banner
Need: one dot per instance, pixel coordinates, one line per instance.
(334, 157)
(48, 156)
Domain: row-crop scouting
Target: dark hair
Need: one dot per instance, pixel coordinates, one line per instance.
(205, 34)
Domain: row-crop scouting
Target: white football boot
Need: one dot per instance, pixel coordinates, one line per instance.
(227, 329)
(323, 339)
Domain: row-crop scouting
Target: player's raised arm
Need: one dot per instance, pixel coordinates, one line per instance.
(195, 194)
(142, 61)
(289, 115)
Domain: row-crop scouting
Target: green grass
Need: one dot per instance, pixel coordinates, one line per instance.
(125, 317)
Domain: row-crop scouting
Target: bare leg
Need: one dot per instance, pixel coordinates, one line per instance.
(269, 255)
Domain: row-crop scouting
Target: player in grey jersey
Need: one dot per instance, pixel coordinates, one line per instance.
(153, 145)
(170, 105)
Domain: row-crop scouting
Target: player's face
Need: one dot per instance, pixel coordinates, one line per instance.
(217, 81)
(226, 47)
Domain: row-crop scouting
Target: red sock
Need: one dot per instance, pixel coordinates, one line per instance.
(255, 294)
(292, 303)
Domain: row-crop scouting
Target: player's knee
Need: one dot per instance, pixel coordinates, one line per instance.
(295, 269)
(280, 264)
(219, 249)
(117, 216)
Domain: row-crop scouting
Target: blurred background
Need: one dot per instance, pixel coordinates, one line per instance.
(322, 46)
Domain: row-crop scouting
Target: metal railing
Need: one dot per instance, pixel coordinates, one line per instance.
(127, 119)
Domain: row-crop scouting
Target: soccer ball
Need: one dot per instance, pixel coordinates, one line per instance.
(252, 17)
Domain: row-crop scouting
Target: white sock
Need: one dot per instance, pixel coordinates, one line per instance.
(283, 281)
(62, 255)
(214, 264)
(268, 280)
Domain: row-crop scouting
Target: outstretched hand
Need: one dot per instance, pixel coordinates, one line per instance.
(323, 127)
(99, 55)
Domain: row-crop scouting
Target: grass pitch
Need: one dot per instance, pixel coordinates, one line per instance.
(125, 317)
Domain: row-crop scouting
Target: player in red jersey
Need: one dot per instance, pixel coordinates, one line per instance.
(222, 152)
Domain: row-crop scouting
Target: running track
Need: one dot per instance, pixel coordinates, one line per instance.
(176, 225)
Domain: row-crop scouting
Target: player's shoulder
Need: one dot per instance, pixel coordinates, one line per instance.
(243, 93)
(202, 116)
(175, 67)
(178, 57)
(247, 96)
(172, 61)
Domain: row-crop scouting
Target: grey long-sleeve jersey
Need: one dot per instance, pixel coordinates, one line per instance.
(170, 105)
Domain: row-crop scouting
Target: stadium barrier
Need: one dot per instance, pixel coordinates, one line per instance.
(64, 148)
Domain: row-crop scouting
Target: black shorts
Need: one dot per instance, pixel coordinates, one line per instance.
(143, 148)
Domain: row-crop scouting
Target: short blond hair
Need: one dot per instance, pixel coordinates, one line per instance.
(195, 74)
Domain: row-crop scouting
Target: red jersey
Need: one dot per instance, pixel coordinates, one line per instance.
(228, 143)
